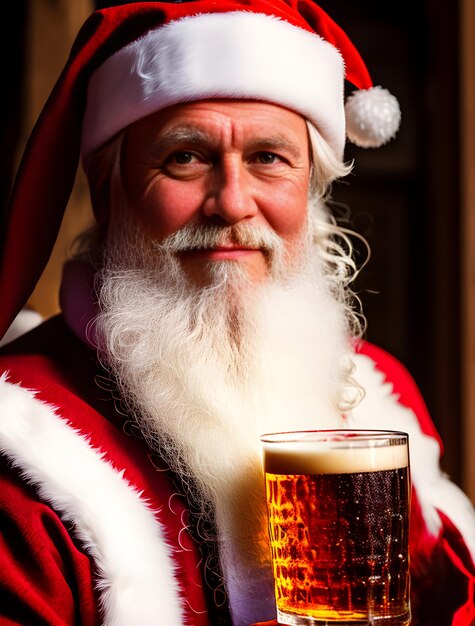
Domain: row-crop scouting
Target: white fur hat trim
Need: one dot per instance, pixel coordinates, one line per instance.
(218, 55)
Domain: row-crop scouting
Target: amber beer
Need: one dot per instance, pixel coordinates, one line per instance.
(338, 504)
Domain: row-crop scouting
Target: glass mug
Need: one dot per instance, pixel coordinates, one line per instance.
(338, 509)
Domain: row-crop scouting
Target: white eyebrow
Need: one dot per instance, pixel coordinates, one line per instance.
(277, 142)
(182, 134)
(195, 136)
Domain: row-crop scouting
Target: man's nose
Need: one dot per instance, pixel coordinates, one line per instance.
(230, 193)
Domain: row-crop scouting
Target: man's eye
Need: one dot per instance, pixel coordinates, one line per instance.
(183, 164)
(181, 158)
(267, 158)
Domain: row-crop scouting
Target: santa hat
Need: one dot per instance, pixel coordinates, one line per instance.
(131, 60)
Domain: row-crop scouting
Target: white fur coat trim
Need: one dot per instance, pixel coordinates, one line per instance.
(380, 409)
(112, 521)
(240, 54)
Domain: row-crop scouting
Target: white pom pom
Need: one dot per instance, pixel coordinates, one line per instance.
(373, 117)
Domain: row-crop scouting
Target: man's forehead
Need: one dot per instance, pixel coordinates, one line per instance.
(260, 124)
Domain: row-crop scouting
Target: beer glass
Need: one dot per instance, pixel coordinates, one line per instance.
(338, 508)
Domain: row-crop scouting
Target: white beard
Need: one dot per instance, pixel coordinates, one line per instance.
(207, 372)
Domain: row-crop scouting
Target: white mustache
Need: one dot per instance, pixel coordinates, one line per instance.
(208, 236)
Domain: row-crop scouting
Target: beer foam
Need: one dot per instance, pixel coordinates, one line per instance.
(313, 458)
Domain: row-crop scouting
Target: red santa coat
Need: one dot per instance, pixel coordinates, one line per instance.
(91, 531)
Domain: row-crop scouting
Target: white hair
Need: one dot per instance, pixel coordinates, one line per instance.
(333, 241)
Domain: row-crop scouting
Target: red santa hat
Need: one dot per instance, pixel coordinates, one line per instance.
(131, 60)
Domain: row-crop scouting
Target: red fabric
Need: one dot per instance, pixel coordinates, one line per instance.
(48, 168)
(466, 613)
(45, 573)
(442, 574)
(44, 578)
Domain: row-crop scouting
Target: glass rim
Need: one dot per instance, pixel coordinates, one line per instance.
(335, 436)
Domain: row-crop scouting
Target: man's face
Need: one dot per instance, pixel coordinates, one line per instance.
(222, 163)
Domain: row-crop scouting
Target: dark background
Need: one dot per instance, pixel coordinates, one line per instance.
(403, 197)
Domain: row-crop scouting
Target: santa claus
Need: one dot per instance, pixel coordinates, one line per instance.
(210, 303)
